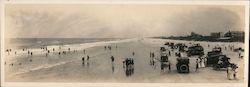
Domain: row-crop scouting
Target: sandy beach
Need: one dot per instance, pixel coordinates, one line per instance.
(69, 67)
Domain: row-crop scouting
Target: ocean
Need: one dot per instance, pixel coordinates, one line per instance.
(21, 43)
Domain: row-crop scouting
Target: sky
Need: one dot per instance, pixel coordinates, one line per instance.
(119, 20)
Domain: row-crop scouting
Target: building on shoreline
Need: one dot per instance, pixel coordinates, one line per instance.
(230, 36)
(234, 34)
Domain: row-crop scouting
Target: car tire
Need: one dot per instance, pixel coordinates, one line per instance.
(184, 68)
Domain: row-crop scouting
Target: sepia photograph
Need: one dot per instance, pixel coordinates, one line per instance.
(124, 43)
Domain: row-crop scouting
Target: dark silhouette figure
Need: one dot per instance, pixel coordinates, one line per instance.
(87, 57)
(112, 59)
(83, 60)
(197, 65)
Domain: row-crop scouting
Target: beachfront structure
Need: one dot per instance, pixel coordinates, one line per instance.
(233, 34)
(216, 34)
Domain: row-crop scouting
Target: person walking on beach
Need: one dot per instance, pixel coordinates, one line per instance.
(109, 47)
(153, 54)
(197, 64)
(239, 52)
(87, 57)
(234, 73)
(133, 53)
(31, 53)
(8, 51)
(202, 62)
(69, 49)
(112, 59)
(229, 73)
(53, 49)
(83, 60)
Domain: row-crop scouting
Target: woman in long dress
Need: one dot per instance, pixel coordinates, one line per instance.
(202, 62)
(229, 73)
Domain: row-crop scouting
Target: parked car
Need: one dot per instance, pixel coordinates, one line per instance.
(215, 51)
(195, 50)
(165, 62)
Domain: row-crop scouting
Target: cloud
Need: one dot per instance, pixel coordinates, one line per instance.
(207, 20)
(107, 21)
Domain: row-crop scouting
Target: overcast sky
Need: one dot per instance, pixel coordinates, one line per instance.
(117, 20)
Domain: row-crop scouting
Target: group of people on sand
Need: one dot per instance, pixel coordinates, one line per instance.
(200, 63)
(83, 59)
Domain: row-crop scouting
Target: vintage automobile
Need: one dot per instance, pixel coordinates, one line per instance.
(195, 50)
(215, 51)
(165, 62)
(218, 61)
(223, 62)
(182, 64)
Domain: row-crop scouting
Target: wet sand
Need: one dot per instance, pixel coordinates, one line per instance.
(69, 67)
